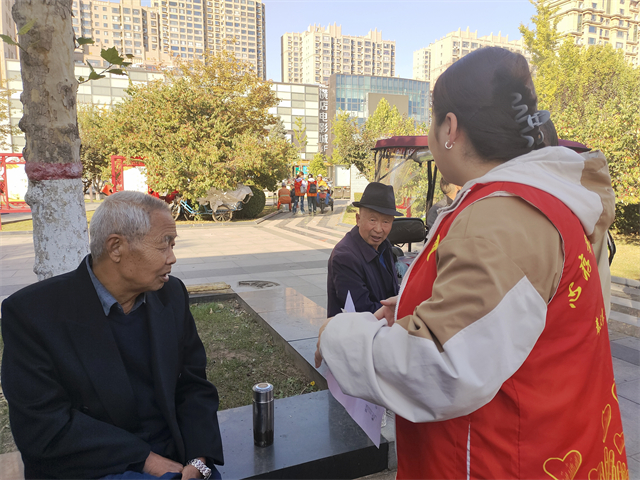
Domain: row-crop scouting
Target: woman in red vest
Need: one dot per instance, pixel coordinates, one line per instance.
(495, 355)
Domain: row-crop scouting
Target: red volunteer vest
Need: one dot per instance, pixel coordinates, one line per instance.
(557, 417)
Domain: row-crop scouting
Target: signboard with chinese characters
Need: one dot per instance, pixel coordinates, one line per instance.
(323, 125)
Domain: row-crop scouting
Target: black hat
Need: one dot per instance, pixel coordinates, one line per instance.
(379, 197)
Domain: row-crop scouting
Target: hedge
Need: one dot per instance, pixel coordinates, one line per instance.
(254, 206)
(627, 219)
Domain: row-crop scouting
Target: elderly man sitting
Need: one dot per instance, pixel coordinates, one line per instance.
(362, 262)
(103, 368)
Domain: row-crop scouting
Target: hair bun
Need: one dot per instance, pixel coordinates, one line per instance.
(491, 93)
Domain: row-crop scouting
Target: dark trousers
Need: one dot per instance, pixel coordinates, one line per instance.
(312, 203)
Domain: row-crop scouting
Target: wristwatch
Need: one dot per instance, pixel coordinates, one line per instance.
(202, 468)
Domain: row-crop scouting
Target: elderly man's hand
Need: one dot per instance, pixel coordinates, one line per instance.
(318, 355)
(157, 465)
(388, 310)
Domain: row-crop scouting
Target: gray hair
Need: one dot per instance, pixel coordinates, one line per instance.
(124, 213)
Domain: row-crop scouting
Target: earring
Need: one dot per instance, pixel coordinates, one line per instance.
(448, 145)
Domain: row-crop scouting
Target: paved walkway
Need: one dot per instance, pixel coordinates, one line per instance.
(292, 252)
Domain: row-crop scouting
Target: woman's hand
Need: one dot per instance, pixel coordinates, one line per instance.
(318, 355)
(388, 310)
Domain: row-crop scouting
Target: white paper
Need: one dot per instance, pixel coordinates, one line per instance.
(367, 415)
(349, 307)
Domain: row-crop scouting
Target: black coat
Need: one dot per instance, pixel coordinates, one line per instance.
(354, 266)
(71, 404)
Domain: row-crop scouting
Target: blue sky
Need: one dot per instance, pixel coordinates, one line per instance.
(413, 24)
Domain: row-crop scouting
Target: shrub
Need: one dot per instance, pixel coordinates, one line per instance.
(627, 219)
(254, 206)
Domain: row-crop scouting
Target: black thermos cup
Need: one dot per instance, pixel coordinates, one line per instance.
(263, 414)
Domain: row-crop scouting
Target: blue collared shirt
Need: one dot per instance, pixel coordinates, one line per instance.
(106, 299)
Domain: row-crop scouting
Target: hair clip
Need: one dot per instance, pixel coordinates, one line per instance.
(521, 109)
(536, 120)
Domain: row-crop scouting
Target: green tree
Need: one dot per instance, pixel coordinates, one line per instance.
(300, 136)
(592, 93)
(6, 129)
(317, 166)
(277, 130)
(348, 146)
(205, 126)
(542, 42)
(352, 143)
(96, 134)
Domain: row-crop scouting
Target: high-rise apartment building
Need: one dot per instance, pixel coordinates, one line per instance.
(237, 26)
(164, 31)
(7, 52)
(127, 25)
(314, 55)
(601, 22)
(431, 61)
(422, 64)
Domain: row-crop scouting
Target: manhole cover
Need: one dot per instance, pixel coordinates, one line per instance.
(257, 284)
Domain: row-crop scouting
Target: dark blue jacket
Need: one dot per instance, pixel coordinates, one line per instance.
(355, 266)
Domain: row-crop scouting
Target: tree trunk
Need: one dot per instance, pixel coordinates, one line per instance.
(52, 151)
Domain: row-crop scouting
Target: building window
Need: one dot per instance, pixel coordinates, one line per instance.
(592, 29)
(592, 41)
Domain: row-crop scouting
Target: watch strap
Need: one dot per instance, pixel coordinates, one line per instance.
(202, 467)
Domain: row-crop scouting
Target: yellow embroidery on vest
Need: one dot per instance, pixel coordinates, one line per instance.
(609, 468)
(574, 293)
(606, 421)
(586, 240)
(563, 468)
(585, 266)
(618, 441)
(600, 321)
(435, 246)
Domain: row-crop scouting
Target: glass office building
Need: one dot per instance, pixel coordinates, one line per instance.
(349, 93)
(359, 96)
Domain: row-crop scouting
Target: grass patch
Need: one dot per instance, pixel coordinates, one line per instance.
(27, 225)
(626, 263)
(6, 439)
(240, 353)
(349, 215)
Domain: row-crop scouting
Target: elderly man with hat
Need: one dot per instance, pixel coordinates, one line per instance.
(362, 263)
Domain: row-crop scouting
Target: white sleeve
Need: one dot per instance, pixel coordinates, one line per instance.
(411, 376)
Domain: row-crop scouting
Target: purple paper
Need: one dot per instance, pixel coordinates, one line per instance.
(367, 415)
